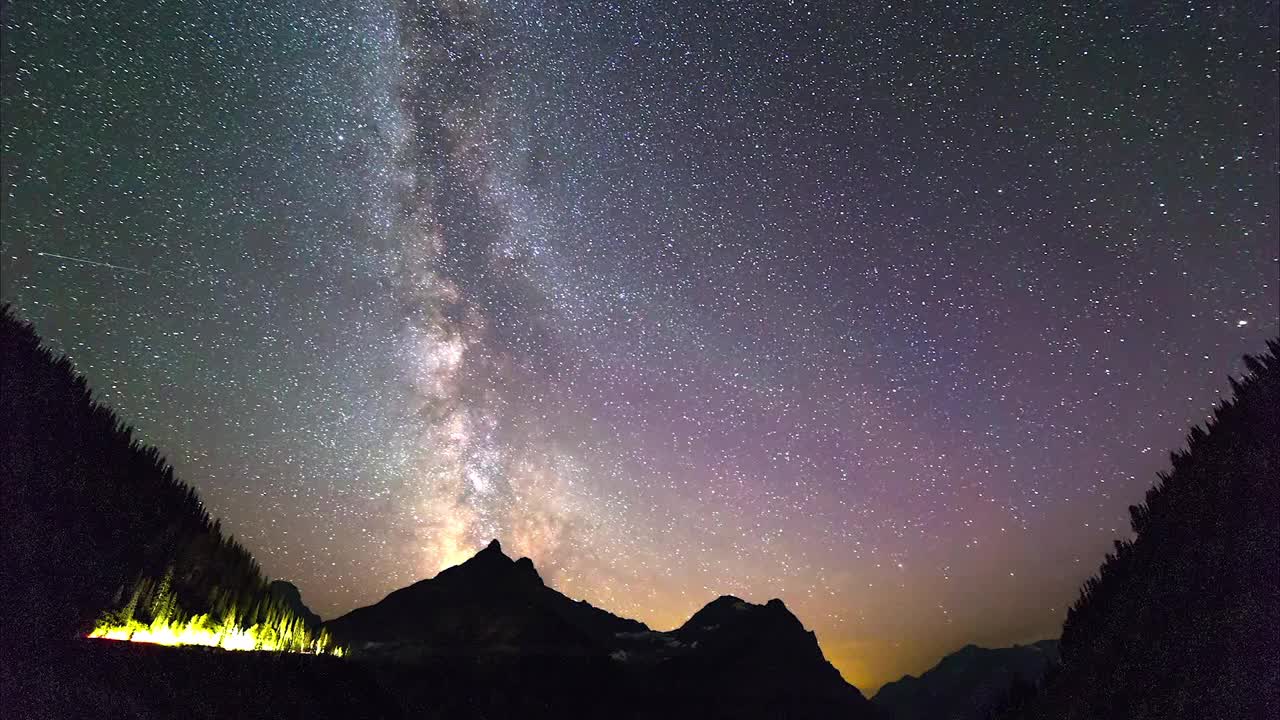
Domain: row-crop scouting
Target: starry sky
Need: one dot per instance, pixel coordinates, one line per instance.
(886, 311)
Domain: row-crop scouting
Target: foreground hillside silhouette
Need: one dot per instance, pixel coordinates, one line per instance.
(96, 521)
(1182, 621)
(90, 515)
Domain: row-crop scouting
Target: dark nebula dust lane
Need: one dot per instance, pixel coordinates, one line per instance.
(889, 313)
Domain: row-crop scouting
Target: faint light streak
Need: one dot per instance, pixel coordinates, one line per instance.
(95, 263)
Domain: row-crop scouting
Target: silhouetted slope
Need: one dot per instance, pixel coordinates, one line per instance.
(967, 684)
(488, 603)
(88, 510)
(1182, 621)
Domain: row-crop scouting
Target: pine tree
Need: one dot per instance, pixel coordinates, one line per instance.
(1181, 621)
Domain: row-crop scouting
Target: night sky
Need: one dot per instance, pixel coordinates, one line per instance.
(888, 313)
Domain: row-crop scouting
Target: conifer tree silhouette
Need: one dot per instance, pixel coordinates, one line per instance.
(1181, 621)
(88, 512)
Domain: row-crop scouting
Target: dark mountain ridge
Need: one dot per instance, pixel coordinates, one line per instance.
(760, 655)
(488, 603)
(730, 659)
(967, 684)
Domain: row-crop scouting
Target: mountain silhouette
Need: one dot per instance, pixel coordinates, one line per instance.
(288, 595)
(489, 603)
(967, 684)
(756, 659)
(732, 659)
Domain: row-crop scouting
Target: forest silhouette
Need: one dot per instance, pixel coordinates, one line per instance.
(97, 527)
(1181, 621)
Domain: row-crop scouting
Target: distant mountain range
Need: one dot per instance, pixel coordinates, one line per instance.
(967, 684)
(732, 659)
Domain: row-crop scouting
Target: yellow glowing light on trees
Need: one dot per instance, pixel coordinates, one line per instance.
(280, 631)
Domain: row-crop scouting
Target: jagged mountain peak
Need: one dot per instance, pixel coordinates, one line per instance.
(488, 602)
(740, 653)
(746, 650)
(491, 569)
(732, 611)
